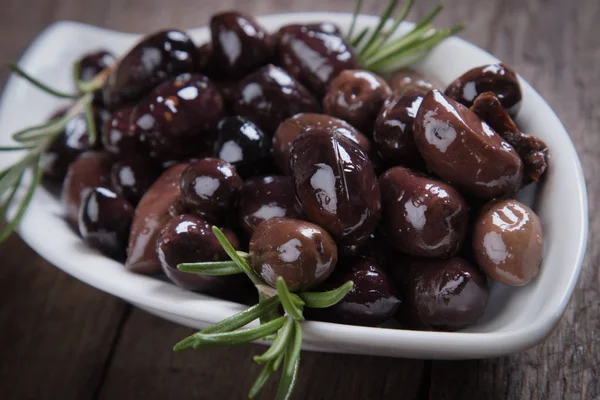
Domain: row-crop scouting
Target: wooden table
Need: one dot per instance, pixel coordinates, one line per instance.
(61, 339)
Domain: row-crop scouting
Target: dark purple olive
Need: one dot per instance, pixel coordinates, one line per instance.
(289, 130)
(325, 27)
(239, 44)
(120, 138)
(242, 144)
(267, 197)
(69, 144)
(156, 58)
(178, 120)
(372, 300)
(409, 79)
(158, 206)
(507, 242)
(206, 64)
(91, 169)
(441, 294)
(92, 64)
(463, 150)
(269, 95)
(210, 187)
(314, 57)
(356, 96)
(304, 254)
(422, 216)
(496, 78)
(393, 133)
(132, 177)
(532, 150)
(336, 184)
(188, 238)
(104, 221)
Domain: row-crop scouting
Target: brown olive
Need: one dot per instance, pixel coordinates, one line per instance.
(289, 130)
(463, 150)
(496, 78)
(269, 95)
(267, 197)
(120, 137)
(441, 294)
(356, 96)
(422, 216)
(178, 120)
(336, 184)
(239, 44)
(532, 150)
(314, 57)
(131, 177)
(210, 187)
(156, 58)
(187, 239)
(104, 221)
(393, 133)
(158, 206)
(507, 242)
(91, 169)
(304, 254)
(409, 79)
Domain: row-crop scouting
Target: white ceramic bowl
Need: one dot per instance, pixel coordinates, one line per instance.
(515, 319)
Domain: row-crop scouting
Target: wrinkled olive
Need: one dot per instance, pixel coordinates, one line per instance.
(372, 300)
(460, 148)
(422, 216)
(120, 137)
(104, 221)
(91, 169)
(314, 57)
(304, 254)
(153, 60)
(336, 184)
(267, 197)
(496, 78)
(242, 144)
(356, 96)
(239, 44)
(409, 79)
(441, 294)
(210, 187)
(289, 130)
(393, 133)
(178, 120)
(158, 206)
(131, 177)
(269, 95)
(507, 242)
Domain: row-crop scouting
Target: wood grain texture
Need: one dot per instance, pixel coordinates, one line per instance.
(61, 339)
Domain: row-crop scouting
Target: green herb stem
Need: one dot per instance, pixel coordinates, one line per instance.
(326, 299)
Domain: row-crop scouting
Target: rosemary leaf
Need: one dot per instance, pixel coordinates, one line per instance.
(382, 40)
(91, 124)
(286, 300)
(233, 254)
(16, 69)
(288, 380)
(357, 9)
(359, 38)
(262, 378)
(216, 268)
(382, 21)
(296, 346)
(279, 344)
(238, 337)
(326, 299)
(6, 203)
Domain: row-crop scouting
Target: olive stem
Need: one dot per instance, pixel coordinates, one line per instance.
(326, 299)
(288, 304)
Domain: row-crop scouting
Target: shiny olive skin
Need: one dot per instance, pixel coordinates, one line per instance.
(393, 133)
(269, 95)
(242, 144)
(304, 254)
(210, 188)
(325, 27)
(188, 238)
(314, 57)
(155, 59)
(158, 206)
(496, 78)
(356, 96)
(463, 150)
(131, 177)
(289, 130)
(262, 198)
(409, 79)
(422, 216)
(91, 65)
(441, 294)
(178, 120)
(508, 242)
(336, 184)
(372, 300)
(239, 44)
(120, 137)
(104, 221)
(91, 169)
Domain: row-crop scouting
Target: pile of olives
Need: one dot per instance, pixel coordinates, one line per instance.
(322, 171)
